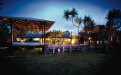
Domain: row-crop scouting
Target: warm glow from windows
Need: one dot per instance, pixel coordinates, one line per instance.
(89, 38)
(36, 39)
(22, 40)
(72, 41)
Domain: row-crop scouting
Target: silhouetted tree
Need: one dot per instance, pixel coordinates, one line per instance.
(113, 21)
(101, 33)
(114, 24)
(72, 15)
(4, 34)
(88, 26)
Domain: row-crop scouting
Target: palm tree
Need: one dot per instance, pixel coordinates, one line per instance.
(73, 17)
(67, 14)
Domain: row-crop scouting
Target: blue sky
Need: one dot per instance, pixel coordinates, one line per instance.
(53, 10)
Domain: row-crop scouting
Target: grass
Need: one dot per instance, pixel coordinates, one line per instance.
(31, 62)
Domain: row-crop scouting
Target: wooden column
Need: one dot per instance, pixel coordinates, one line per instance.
(44, 37)
(42, 33)
(11, 49)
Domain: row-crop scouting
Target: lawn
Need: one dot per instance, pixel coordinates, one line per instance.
(31, 62)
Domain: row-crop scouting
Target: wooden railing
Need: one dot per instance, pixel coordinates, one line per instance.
(57, 49)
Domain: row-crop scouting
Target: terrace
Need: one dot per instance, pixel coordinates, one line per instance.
(27, 24)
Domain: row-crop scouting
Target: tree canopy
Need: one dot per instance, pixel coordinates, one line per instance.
(4, 33)
(114, 18)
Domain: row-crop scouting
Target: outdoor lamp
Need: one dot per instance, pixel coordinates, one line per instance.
(89, 38)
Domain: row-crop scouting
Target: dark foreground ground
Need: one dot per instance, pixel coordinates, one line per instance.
(75, 63)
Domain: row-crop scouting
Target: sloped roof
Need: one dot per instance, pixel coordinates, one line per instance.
(31, 35)
(27, 23)
(66, 36)
(39, 35)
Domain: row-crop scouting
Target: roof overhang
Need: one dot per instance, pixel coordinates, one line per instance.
(26, 23)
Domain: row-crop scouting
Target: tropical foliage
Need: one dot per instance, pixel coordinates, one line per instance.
(114, 22)
(4, 34)
(72, 15)
(54, 33)
(88, 27)
(114, 18)
(114, 25)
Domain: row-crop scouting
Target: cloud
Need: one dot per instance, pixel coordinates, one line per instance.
(69, 27)
(83, 10)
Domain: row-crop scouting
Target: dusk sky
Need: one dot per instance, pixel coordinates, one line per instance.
(53, 10)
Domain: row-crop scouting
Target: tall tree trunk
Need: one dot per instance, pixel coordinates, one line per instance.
(78, 35)
(99, 42)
